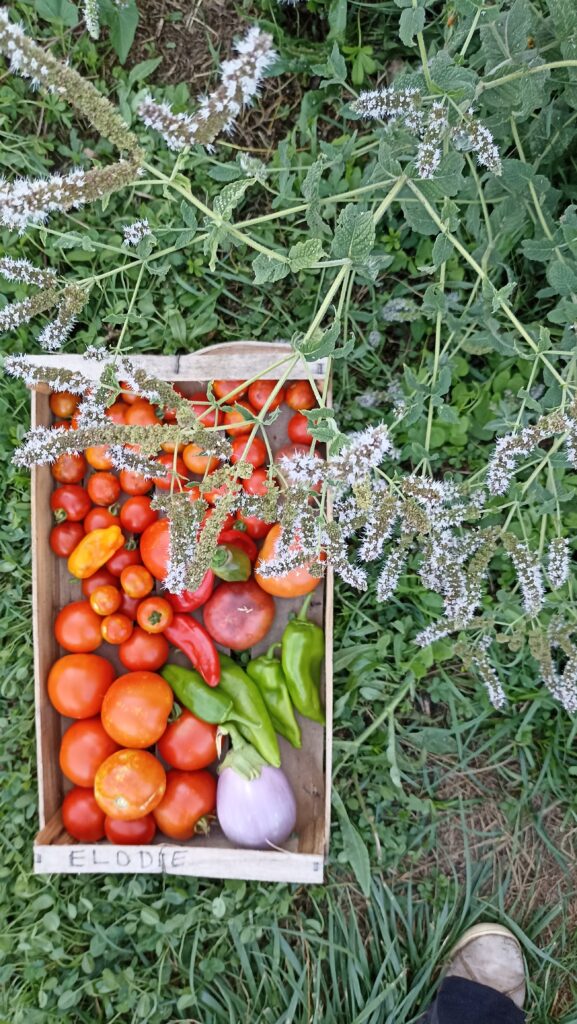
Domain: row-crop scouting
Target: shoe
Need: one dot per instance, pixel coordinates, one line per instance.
(490, 955)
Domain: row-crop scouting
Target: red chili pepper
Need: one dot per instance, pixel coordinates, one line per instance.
(191, 599)
(239, 540)
(193, 640)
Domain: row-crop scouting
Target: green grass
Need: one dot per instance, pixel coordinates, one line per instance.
(446, 812)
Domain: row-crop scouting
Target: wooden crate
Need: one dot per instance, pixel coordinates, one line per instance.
(308, 769)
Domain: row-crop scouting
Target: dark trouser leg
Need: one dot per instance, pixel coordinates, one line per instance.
(465, 1002)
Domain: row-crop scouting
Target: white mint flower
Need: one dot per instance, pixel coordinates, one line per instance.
(558, 562)
(135, 232)
(528, 573)
(302, 468)
(90, 11)
(364, 451)
(476, 137)
(392, 104)
(25, 272)
(488, 674)
(391, 572)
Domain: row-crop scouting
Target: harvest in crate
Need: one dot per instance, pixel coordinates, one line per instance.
(183, 732)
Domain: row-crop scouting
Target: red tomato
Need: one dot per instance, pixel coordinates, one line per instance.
(239, 615)
(64, 537)
(175, 479)
(298, 429)
(121, 558)
(81, 816)
(144, 651)
(141, 414)
(136, 514)
(300, 395)
(154, 548)
(105, 600)
(117, 413)
(236, 422)
(77, 684)
(69, 469)
(64, 404)
(189, 797)
(103, 488)
(100, 578)
(97, 456)
(127, 394)
(129, 606)
(260, 391)
(116, 628)
(223, 388)
(196, 462)
(77, 628)
(213, 496)
(135, 709)
(70, 502)
(136, 581)
(154, 614)
(188, 743)
(129, 784)
(257, 483)
(85, 745)
(204, 412)
(134, 483)
(138, 832)
(99, 519)
(255, 527)
(255, 454)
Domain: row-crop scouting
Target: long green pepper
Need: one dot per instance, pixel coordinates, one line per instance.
(303, 649)
(268, 675)
(249, 704)
(206, 702)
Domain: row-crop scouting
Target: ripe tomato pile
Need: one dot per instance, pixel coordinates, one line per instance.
(134, 766)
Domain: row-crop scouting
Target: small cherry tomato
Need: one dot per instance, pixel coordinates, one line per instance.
(100, 578)
(100, 518)
(239, 615)
(136, 514)
(81, 816)
(154, 614)
(223, 388)
(300, 395)
(260, 391)
(105, 600)
(117, 413)
(188, 743)
(77, 683)
(298, 429)
(196, 462)
(136, 581)
(255, 527)
(103, 488)
(69, 469)
(177, 475)
(138, 832)
(64, 537)
(129, 784)
(70, 502)
(121, 558)
(97, 457)
(236, 422)
(134, 483)
(64, 404)
(144, 652)
(128, 605)
(202, 410)
(77, 628)
(189, 797)
(255, 454)
(258, 483)
(116, 629)
(141, 414)
(85, 745)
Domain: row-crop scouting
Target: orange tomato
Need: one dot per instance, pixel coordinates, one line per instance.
(294, 583)
(196, 462)
(129, 784)
(105, 600)
(64, 404)
(116, 628)
(77, 684)
(103, 488)
(189, 796)
(154, 614)
(97, 457)
(116, 412)
(77, 628)
(134, 483)
(260, 391)
(300, 395)
(136, 581)
(141, 414)
(135, 709)
(235, 421)
(85, 745)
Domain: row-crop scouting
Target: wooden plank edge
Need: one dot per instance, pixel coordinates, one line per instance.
(248, 865)
(36, 632)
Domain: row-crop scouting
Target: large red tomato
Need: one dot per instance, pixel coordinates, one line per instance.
(77, 684)
(135, 709)
(239, 615)
(154, 544)
(144, 651)
(81, 815)
(189, 797)
(295, 583)
(129, 784)
(77, 628)
(300, 395)
(188, 743)
(85, 745)
(139, 832)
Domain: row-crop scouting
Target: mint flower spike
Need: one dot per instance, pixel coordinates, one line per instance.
(240, 80)
(91, 17)
(24, 272)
